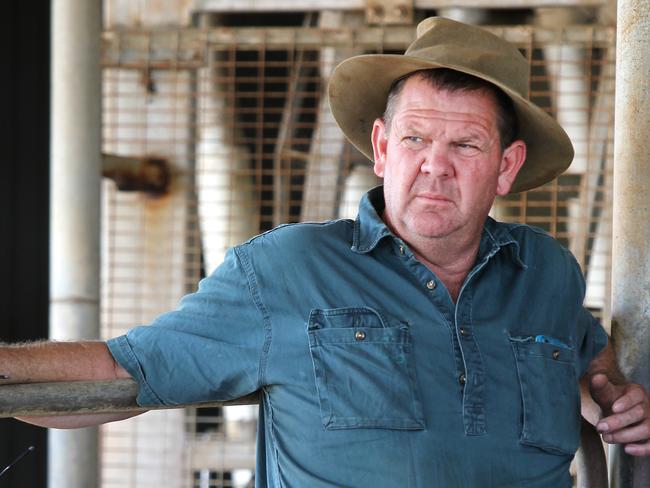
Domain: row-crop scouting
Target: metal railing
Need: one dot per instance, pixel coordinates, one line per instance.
(88, 397)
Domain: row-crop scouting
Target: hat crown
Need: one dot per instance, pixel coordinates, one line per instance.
(473, 50)
(359, 86)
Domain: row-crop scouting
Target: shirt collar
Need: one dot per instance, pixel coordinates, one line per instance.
(496, 235)
(370, 229)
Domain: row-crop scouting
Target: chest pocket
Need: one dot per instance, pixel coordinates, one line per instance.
(550, 394)
(364, 372)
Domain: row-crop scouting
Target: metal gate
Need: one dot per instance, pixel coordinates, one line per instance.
(237, 120)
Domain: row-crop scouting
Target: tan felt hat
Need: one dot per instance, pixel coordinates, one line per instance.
(359, 86)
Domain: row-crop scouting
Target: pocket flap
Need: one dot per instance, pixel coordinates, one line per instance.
(336, 318)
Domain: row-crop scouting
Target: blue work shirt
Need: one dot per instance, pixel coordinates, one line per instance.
(369, 374)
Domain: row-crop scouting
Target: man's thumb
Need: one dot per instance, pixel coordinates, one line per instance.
(603, 391)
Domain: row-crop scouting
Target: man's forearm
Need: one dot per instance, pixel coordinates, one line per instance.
(57, 361)
(41, 362)
(605, 363)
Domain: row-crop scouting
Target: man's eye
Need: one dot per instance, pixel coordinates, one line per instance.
(467, 148)
(413, 139)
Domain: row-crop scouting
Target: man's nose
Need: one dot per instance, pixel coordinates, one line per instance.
(436, 161)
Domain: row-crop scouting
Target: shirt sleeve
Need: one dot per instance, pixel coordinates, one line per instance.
(592, 339)
(590, 336)
(211, 348)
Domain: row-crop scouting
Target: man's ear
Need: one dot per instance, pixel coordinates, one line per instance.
(379, 146)
(512, 160)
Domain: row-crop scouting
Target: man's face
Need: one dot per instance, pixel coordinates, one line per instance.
(441, 161)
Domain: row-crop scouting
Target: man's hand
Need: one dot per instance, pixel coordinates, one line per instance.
(626, 414)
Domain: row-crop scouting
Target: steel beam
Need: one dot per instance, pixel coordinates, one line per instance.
(177, 49)
(302, 6)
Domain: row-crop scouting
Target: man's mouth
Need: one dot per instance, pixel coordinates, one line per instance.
(434, 197)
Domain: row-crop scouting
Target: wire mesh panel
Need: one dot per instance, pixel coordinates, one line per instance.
(150, 256)
(240, 117)
(572, 78)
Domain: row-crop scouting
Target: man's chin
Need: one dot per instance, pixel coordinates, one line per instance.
(424, 225)
(434, 230)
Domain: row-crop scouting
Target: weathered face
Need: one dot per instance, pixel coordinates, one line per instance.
(441, 161)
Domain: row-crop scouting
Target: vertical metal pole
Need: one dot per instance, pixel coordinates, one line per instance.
(631, 243)
(75, 184)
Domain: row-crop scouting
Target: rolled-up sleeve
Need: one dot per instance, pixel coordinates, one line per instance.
(211, 348)
(592, 339)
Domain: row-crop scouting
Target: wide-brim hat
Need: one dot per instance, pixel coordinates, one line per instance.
(359, 87)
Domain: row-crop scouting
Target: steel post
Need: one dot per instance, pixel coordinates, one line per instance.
(631, 239)
(75, 215)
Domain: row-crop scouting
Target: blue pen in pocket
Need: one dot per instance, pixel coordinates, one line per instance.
(551, 340)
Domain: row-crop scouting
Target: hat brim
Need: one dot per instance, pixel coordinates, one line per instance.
(359, 86)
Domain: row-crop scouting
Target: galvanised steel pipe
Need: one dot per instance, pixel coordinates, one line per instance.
(631, 239)
(75, 163)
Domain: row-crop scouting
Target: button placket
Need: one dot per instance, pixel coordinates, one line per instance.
(472, 383)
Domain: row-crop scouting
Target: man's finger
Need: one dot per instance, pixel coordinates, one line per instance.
(634, 434)
(642, 449)
(634, 395)
(619, 421)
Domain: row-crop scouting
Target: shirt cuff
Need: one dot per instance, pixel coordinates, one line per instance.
(121, 350)
(595, 342)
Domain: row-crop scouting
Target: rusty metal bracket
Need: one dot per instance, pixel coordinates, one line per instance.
(146, 174)
(389, 12)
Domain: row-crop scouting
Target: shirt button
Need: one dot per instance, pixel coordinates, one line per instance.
(401, 250)
(359, 335)
(462, 379)
(556, 354)
(462, 331)
(431, 285)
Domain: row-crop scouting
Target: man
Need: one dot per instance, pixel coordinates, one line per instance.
(423, 344)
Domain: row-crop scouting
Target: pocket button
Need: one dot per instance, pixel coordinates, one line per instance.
(359, 335)
(556, 354)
